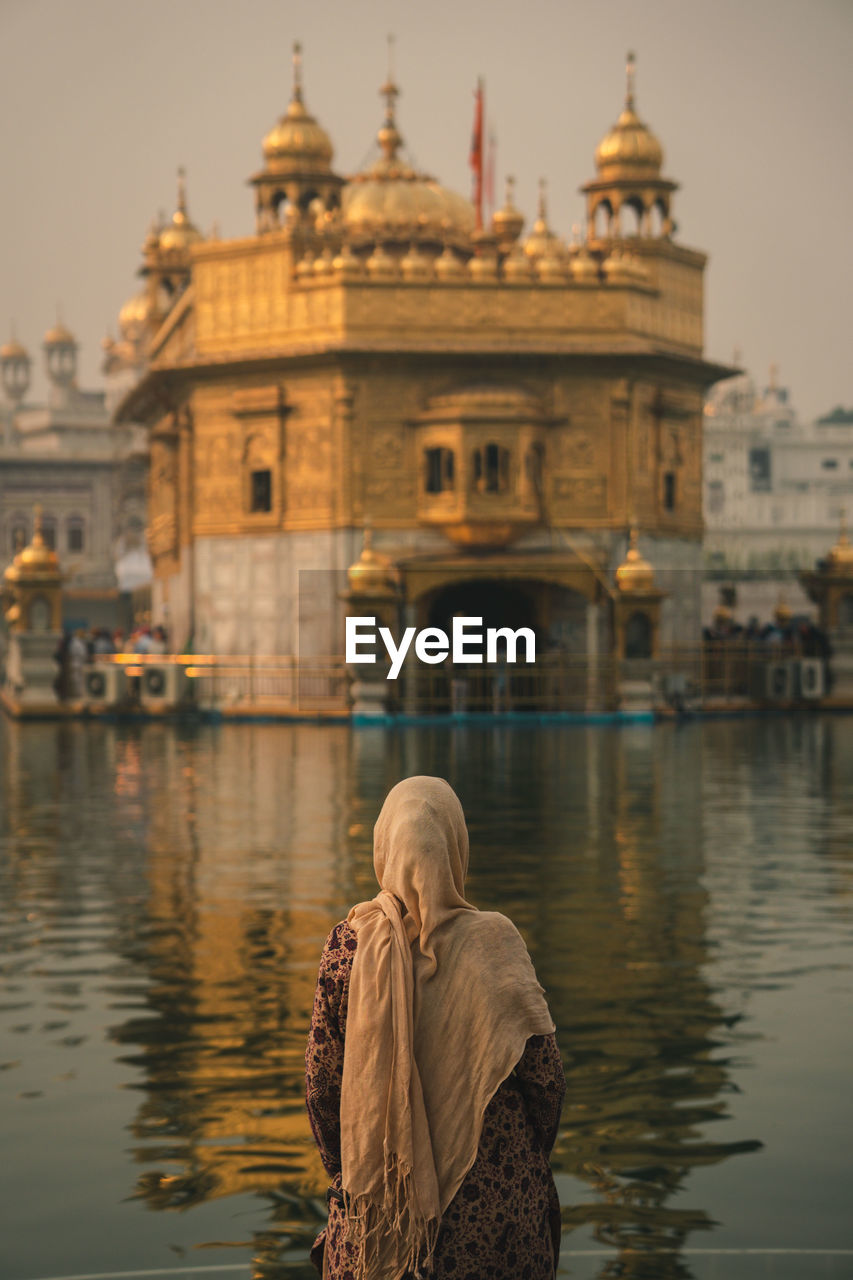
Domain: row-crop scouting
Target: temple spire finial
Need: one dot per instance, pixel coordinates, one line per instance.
(297, 71)
(182, 189)
(542, 207)
(389, 90)
(389, 136)
(630, 72)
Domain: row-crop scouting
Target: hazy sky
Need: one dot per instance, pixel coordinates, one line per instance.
(101, 100)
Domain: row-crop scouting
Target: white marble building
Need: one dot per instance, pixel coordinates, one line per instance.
(774, 492)
(87, 475)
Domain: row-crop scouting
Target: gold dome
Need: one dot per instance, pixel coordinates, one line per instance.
(135, 314)
(840, 556)
(392, 201)
(630, 144)
(37, 558)
(180, 233)
(542, 242)
(635, 574)
(372, 574)
(297, 143)
(508, 222)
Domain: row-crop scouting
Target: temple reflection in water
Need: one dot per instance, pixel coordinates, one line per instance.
(222, 859)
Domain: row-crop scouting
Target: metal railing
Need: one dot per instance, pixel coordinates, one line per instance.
(258, 681)
(565, 683)
(558, 682)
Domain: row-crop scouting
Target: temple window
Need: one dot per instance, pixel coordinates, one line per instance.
(48, 532)
(491, 469)
(439, 475)
(260, 494)
(669, 490)
(759, 470)
(75, 534)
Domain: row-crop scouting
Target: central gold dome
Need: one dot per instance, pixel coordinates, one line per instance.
(393, 201)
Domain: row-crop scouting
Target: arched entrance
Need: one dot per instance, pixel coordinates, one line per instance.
(499, 604)
(483, 688)
(557, 616)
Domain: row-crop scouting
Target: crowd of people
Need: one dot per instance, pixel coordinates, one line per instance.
(79, 647)
(794, 635)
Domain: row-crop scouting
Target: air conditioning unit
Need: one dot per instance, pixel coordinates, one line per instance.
(163, 686)
(104, 683)
(811, 678)
(777, 684)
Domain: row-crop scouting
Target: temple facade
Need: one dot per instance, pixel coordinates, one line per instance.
(499, 408)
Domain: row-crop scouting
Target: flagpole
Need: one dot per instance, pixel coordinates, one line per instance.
(476, 157)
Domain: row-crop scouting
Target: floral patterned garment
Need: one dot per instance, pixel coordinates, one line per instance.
(504, 1221)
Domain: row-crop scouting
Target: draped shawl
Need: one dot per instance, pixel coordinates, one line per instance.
(442, 1000)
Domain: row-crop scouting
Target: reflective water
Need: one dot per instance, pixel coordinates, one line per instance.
(686, 893)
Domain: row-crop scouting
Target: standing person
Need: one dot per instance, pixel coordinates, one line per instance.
(78, 655)
(142, 643)
(434, 1082)
(103, 642)
(158, 641)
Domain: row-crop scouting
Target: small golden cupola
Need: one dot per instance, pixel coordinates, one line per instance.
(629, 196)
(134, 316)
(166, 261)
(635, 575)
(32, 585)
(636, 605)
(38, 557)
(840, 557)
(830, 583)
(297, 164)
(542, 243)
(372, 574)
(394, 205)
(508, 222)
(179, 233)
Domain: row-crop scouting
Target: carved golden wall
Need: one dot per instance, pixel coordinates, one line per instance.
(343, 448)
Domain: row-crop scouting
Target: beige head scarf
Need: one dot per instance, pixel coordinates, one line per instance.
(442, 1000)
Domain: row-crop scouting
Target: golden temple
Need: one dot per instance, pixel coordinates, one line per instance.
(500, 408)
